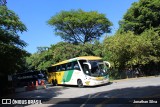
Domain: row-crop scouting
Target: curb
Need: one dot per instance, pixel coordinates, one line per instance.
(134, 78)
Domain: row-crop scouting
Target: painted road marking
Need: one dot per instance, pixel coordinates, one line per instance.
(86, 101)
(90, 97)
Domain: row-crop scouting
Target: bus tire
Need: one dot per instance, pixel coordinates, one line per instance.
(55, 82)
(80, 83)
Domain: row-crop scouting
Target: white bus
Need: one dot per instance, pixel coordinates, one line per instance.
(81, 71)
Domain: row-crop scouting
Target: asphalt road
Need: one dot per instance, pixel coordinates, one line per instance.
(117, 93)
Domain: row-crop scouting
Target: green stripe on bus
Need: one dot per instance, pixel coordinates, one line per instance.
(69, 75)
(65, 76)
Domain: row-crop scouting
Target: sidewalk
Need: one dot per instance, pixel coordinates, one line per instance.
(133, 78)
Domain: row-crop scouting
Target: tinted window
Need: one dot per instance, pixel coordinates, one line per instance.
(52, 69)
(85, 67)
(81, 63)
(63, 67)
(75, 65)
(69, 66)
(58, 68)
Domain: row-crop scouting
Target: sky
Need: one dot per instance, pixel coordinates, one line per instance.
(35, 14)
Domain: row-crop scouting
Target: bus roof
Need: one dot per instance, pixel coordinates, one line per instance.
(79, 58)
(89, 57)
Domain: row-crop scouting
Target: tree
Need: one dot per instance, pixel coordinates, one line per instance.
(130, 50)
(40, 61)
(79, 26)
(117, 49)
(141, 16)
(11, 46)
(61, 51)
(3, 2)
(12, 54)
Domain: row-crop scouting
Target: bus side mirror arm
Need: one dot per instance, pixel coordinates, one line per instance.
(89, 65)
(109, 65)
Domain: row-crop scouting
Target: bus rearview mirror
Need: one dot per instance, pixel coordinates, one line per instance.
(107, 63)
(89, 65)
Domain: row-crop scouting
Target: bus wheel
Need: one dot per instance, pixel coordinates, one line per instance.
(79, 83)
(53, 82)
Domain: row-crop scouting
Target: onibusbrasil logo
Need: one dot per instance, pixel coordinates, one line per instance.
(20, 101)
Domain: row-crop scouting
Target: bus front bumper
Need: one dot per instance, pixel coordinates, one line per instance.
(96, 82)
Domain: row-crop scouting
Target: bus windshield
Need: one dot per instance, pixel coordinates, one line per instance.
(98, 68)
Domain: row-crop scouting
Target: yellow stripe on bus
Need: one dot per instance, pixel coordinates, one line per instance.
(78, 58)
(59, 77)
(89, 57)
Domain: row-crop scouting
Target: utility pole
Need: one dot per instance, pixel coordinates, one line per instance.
(3, 2)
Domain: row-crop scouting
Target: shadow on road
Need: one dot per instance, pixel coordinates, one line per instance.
(113, 98)
(42, 94)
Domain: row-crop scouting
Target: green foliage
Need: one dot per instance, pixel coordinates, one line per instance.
(127, 49)
(10, 25)
(141, 16)
(3, 2)
(11, 46)
(114, 74)
(79, 26)
(40, 61)
(117, 48)
(62, 51)
(137, 42)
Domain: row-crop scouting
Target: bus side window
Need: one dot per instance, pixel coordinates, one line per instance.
(76, 66)
(81, 63)
(69, 66)
(58, 68)
(86, 69)
(63, 67)
(52, 69)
